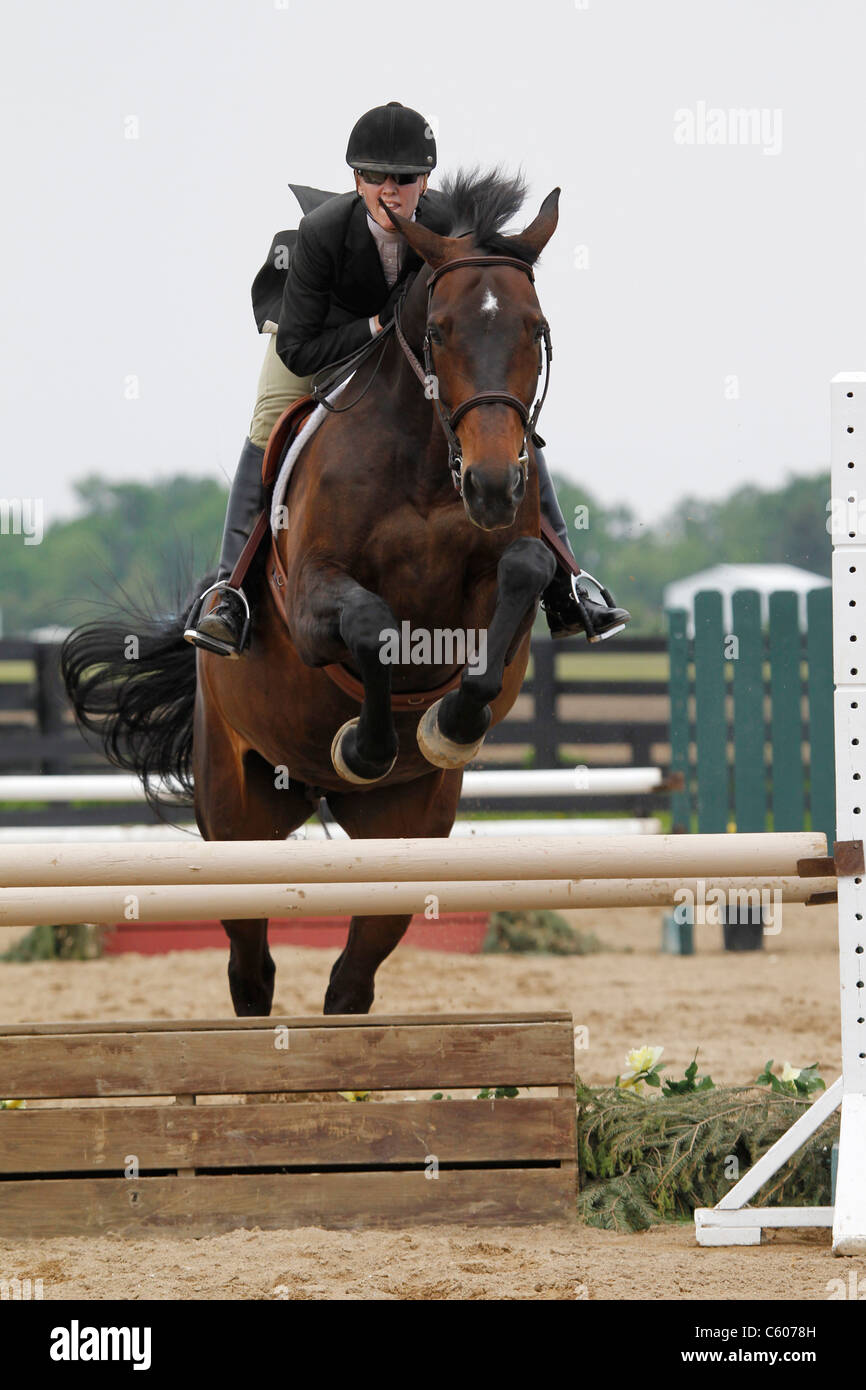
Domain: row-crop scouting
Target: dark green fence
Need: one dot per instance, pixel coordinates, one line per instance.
(752, 715)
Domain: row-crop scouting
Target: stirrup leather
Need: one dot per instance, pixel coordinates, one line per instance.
(213, 644)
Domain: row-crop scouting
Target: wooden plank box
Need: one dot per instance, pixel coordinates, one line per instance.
(155, 1126)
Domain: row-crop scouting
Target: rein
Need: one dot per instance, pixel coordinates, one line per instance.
(449, 419)
(321, 387)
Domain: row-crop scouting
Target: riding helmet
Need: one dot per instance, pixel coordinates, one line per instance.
(393, 138)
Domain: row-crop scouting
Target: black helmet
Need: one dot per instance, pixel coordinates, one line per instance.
(393, 138)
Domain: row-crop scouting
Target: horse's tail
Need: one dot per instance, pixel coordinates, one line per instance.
(131, 680)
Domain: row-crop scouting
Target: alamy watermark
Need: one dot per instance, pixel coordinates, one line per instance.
(709, 906)
(22, 516)
(438, 646)
(21, 1290)
(846, 516)
(760, 126)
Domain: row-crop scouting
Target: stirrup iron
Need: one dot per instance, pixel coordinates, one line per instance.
(213, 644)
(606, 597)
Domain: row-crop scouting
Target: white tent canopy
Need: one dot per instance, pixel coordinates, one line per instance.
(727, 579)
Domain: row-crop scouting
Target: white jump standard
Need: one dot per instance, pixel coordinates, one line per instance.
(731, 1222)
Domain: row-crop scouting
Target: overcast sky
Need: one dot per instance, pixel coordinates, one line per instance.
(700, 294)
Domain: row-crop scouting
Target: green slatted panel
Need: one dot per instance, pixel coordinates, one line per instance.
(678, 658)
(750, 775)
(822, 776)
(710, 723)
(789, 804)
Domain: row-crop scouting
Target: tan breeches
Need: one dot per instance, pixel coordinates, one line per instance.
(277, 389)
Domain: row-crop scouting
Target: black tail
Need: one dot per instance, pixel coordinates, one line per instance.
(131, 680)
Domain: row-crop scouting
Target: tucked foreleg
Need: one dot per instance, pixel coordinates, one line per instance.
(332, 616)
(452, 731)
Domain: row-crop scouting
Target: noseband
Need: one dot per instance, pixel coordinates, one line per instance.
(449, 419)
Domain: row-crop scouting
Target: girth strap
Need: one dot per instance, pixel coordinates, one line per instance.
(401, 701)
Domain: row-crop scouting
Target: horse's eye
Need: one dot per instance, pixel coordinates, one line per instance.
(433, 333)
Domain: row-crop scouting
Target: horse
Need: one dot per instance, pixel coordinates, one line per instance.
(415, 506)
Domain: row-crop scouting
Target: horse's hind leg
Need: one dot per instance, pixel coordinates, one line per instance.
(237, 798)
(429, 805)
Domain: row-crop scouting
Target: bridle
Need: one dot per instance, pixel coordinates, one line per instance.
(450, 419)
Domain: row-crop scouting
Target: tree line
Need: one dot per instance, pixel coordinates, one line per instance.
(150, 542)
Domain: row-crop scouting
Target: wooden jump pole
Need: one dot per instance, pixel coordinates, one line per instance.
(410, 860)
(235, 901)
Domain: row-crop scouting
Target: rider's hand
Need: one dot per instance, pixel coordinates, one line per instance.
(398, 291)
(377, 324)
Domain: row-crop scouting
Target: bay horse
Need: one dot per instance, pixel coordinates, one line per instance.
(377, 535)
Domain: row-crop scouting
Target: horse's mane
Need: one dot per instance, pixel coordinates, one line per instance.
(481, 204)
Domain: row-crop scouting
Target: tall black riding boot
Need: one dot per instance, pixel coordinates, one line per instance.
(221, 631)
(569, 603)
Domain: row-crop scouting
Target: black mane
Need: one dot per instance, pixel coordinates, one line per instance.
(481, 204)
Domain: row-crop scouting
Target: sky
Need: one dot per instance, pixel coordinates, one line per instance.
(704, 283)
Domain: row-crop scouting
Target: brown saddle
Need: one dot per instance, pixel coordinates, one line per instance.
(282, 435)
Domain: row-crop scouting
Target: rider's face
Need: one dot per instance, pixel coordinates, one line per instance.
(402, 197)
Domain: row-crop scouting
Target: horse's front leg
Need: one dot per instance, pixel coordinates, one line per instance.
(452, 730)
(342, 616)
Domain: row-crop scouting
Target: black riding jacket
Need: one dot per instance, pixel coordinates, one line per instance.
(322, 283)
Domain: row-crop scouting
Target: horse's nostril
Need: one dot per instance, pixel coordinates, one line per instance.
(518, 483)
(470, 484)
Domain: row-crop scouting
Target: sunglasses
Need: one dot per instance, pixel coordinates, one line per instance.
(381, 176)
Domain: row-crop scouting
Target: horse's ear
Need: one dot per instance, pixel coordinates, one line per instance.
(538, 233)
(430, 246)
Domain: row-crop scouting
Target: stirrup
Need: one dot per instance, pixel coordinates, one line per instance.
(607, 599)
(213, 644)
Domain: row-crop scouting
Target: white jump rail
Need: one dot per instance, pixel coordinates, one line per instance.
(29, 907)
(564, 782)
(732, 1221)
(410, 860)
(234, 880)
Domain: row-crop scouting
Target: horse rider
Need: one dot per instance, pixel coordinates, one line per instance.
(334, 293)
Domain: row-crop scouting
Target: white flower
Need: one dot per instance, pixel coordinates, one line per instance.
(640, 1061)
(790, 1073)
(643, 1058)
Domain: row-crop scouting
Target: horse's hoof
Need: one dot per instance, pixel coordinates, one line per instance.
(439, 750)
(342, 767)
